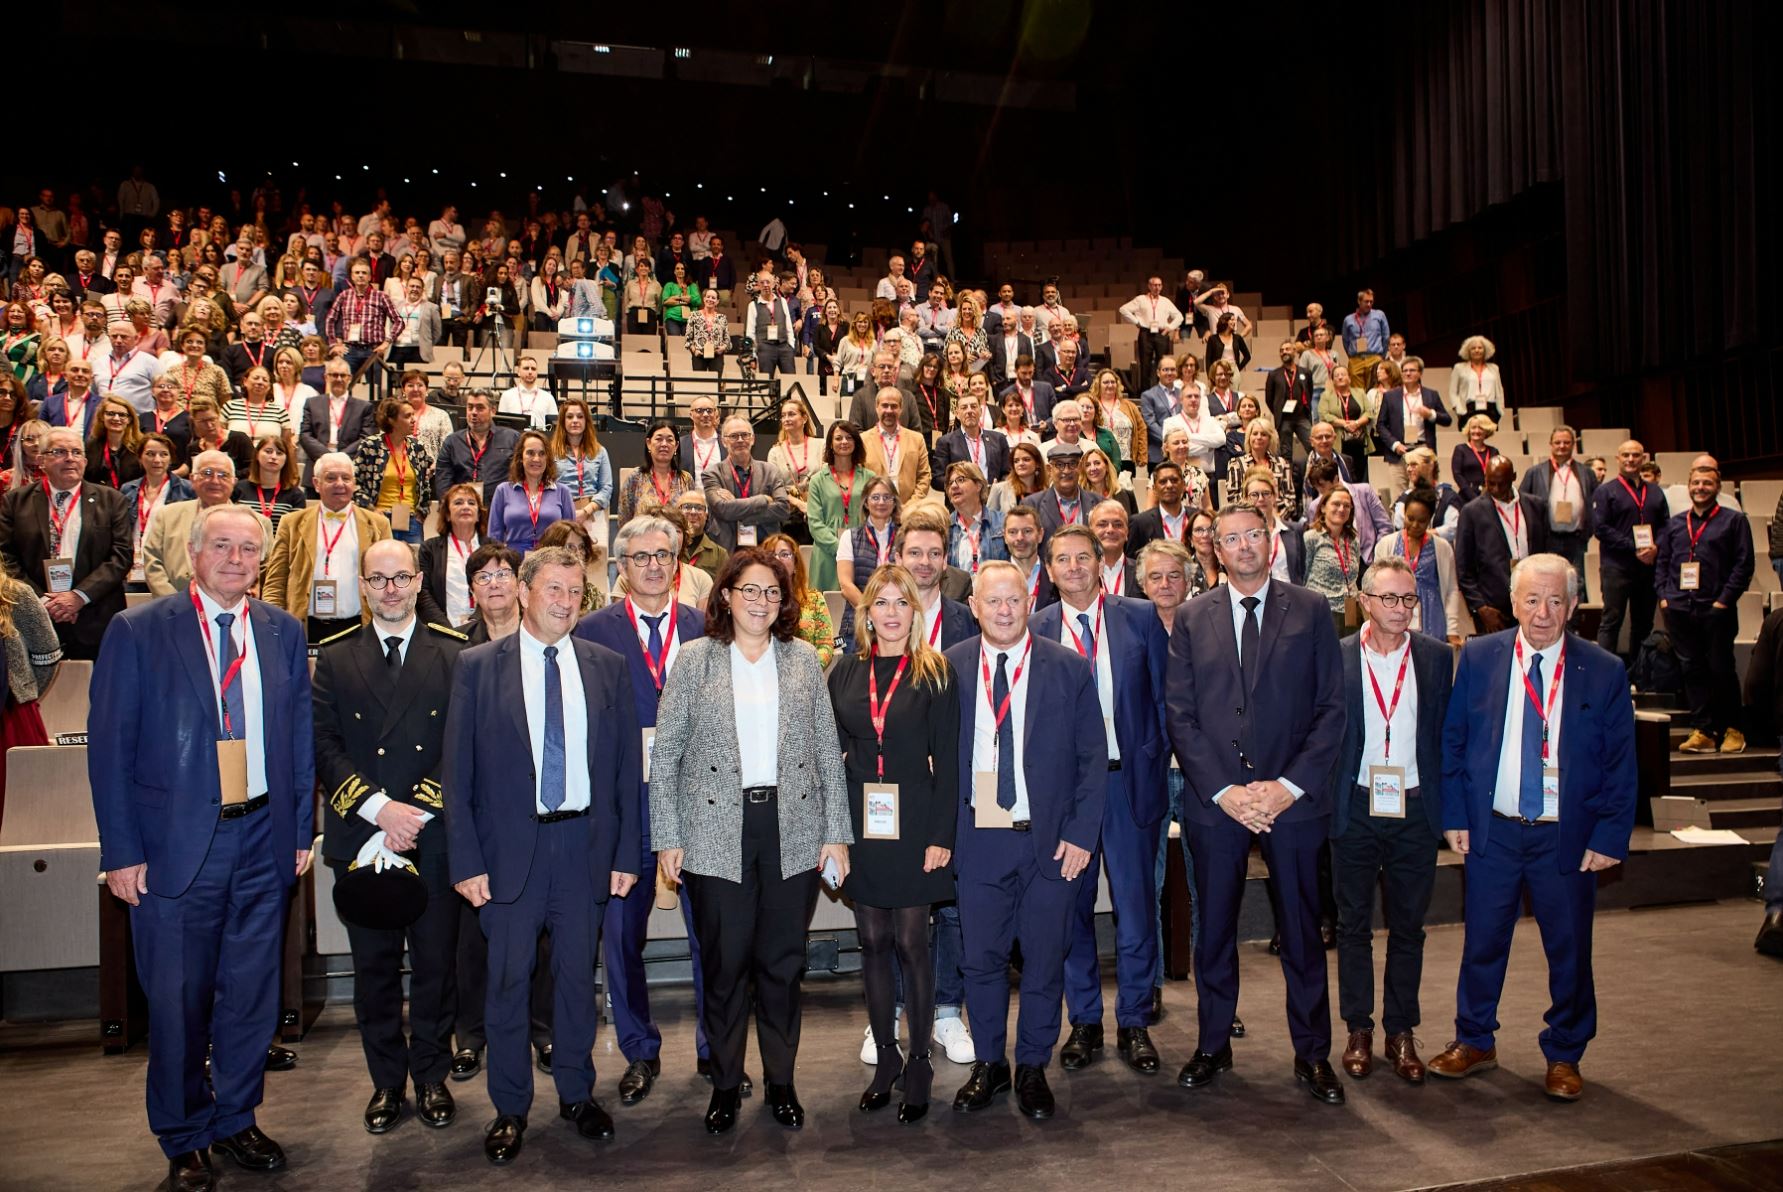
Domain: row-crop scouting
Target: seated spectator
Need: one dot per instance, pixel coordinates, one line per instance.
(525, 505)
(273, 485)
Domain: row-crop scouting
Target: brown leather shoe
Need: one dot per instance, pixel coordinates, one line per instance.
(1564, 1082)
(1358, 1055)
(1461, 1060)
(1403, 1051)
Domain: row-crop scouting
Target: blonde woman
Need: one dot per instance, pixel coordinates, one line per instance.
(795, 452)
(1475, 386)
(1262, 449)
(854, 355)
(1117, 414)
(969, 334)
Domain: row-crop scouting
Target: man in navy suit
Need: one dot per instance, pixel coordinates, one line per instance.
(969, 443)
(1124, 641)
(1254, 689)
(1386, 813)
(1409, 415)
(646, 629)
(1034, 761)
(1162, 401)
(1495, 530)
(546, 852)
(1539, 779)
(204, 794)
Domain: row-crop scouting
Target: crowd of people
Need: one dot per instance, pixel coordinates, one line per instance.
(613, 693)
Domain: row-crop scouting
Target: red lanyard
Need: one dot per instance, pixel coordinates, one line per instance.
(1182, 524)
(700, 467)
(1479, 379)
(1076, 508)
(112, 467)
(1120, 580)
(998, 713)
(477, 453)
(1639, 499)
(928, 397)
(1095, 640)
(742, 480)
(250, 414)
(534, 504)
(1387, 709)
(1027, 397)
(975, 449)
(1413, 556)
(74, 411)
(972, 537)
(890, 447)
(57, 523)
(1553, 688)
(876, 711)
(260, 359)
(1561, 487)
(883, 548)
(1697, 532)
(1481, 456)
(663, 496)
(400, 465)
(145, 504)
(228, 676)
(1343, 556)
(847, 493)
(328, 544)
(1514, 522)
(659, 665)
(935, 629)
(189, 380)
(1034, 586)
(265, 504)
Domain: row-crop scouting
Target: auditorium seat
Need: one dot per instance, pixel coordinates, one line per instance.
(49, 854)
(64, 706)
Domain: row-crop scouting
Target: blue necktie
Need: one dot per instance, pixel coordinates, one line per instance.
(655, 645)
(551, 779)
(1529, 790)
(232, 701)
(1089, 637)
(1005, 736)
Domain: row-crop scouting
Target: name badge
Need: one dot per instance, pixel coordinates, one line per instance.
(1289, 406)
(322, 599)
(58, 575)
(1563, 512)
(1643, 538)
(1550, 795)
(773, 332)
(746, 535)
(643, 317)
(649, 743)
(1690, 576)
(232, 771)
(706, 350)
(1386, 792)
(137, 575)
(879, 810)
(355, 332)
(399, 517)
(985, 812)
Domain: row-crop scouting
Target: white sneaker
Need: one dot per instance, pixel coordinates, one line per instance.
(870, 1048)
(952, 1036)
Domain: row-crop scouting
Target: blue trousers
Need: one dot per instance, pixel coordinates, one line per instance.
(209, 964)
(1002, 895)
(1188, 865)
(625, 928)
(1130, 853)
(1512, 859)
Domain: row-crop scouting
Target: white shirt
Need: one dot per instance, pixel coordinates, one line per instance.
(1114, 578)
(343, 565)
(1238, 614)
(536, 403)
(1153, 314)
(1414, 423)
(1511, 521)
(1507, 793)
(755, 691)
(255, 730)
(706, 454)
(576, 791)
(1278, 556)
(70, 545)
(374, 803)
(1069, 630)
(1385, 668)
(984, 724)
(459, 606)
(674, 643)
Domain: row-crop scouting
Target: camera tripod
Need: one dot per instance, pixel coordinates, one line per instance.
(500, 358)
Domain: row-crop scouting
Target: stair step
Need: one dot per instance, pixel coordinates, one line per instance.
(1745, 813)
(1717, 787)
(1753, 760)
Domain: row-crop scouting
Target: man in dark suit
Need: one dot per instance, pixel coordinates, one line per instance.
(1539, 778)
(1116, 572)
(968, 443)
(1158, 404)
(1168, 519)
(671, 254)
(459, 295)
(1288, 394)
(204, 799)
(1255, 699)
(543, 854)
(71, 542)
(1067, 373)
(334, 420)
(862, 408)
(1063, 503)
(1008, 345)
(1409, 415)
(1124, 642)
(253, 350)
(1037, 396)
(1034, 758)
(1496, 529)
(1021, 537)
(1386, 813)
(380, 694)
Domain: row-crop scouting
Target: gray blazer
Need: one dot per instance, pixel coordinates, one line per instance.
(696, 794)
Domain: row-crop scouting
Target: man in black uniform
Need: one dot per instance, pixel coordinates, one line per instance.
(381, 694)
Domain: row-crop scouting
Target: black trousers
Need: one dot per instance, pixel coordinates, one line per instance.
(1703, 642)
(753, 929)
(425, 1054)
(1627, 591)
(1399, 855)
(472, 971)
(1151, 348)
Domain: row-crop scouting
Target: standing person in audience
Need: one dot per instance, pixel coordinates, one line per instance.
(546, 853)
(742, 713)
(1114, 569)
(448, 591)
(273, 487)
(921, 549)
(1286, 545)
(1475, 386)
(869, 547)
(970, 442)
(1704, 565)
(1497, 530)
(315, 558)
(205, 420)
(1348, 410)
(583, 465)
(33, 655)
(167, 564)
(1257, 731)
(1205, 572)
(1409, 415)
(114, 445)
(1026, 476)
(1539, 778)
(771, 322)
(1062, 503)
(1335, 558)
(815, 629)
(1365, 335)
(1565, 486)
(1158, 404)
(1262, 451)
(1196, 440)
(203, 799)
(1471, 457)
(1386, 814)
(1037, 397)
(708, 334)
(1441, 610)
(362, 324)
(1168, 519)
(335, 420)
(975, 531)
(1227, 343)
(746, 498)
(658, 482)
(525, 506)
(703, 447)
(1125, 646)
(481, 454)
(394, 472)
(796, 456)
(378, 690)
(1423, 471)
(147, 494)
(1159, 324)
(1370, 520)
(432, 424)
(1324, 449)
(1022, 537)
(1290, 395)
(834, 504)
(863, 409)
(527, 396)
(698, 551)
(895, 451)
(1627, 514)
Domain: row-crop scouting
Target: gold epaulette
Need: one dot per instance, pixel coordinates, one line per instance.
(448, 631)
(341, 636)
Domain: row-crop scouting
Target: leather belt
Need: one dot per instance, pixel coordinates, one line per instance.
(1517, 819)
(1114, 765)
(237, 810)
(759, 794)
(557, 817)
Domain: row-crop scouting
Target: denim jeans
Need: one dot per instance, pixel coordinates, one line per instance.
(1188, 864)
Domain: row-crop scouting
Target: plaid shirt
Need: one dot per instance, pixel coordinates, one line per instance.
(372, 311)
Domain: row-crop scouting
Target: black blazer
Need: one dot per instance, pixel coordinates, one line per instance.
(1483, 557)
(101, 561)
(358, 421)
(1001, 373)
(1276, 388)
(1433, 669)
(952, 449)
(436, 554)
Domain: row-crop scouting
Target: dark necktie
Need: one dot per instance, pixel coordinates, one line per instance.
(235, 709)
(1249, 642)
(1005, 736)
(1529, 790)
(551, 773)
(1089, 636)
(655, 643)
(60, 523)
(393, 659)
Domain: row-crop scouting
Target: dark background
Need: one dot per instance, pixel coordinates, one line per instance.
(1592, 183)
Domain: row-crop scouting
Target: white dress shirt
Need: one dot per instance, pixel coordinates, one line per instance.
(577, 793)
(536, 403)
(668, 636)
(984, 724)
(70, 544)
(343, 565)
(460, 607)
(1278, 556)
(1069, 630)
(1385, 668)
(755, 691)
(242, 630)
(374, 803)
(1507, 793)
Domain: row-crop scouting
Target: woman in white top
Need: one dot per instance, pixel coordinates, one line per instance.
(1015, 426)
(795, 452)
(288, 390)
(1475, 386)
(396, 286)
(550, 296)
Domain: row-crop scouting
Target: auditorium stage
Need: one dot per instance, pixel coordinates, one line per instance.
(1686, 1059)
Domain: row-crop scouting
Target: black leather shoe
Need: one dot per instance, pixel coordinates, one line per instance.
(383, 1111)
(190, 1172)
(1275, 944)
(986, 1081)
(501, 1142)
(783, 1103)
(1770, 935)
(280, 1059)
(1135, 1046)
(434, 1106)
(634, 1086)
(1157, 1006)
(592, 1122)
(544, 1052)
(466, 1063)
(721, 1111)
(1081, 1047)
(251, 1149)
(1321, 1081)
(1202, 1068)
(1237, 1031)
(745, 1089)
(1033, 1096)
(1328, 933)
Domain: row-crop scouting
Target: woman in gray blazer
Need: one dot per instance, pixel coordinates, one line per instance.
(748, 799)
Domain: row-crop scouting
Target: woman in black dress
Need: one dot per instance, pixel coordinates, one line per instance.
(898, 716)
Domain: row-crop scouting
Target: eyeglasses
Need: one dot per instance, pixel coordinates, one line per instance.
(214, 474)
(1394, 599)
(737, 436)
(484, 578)
(755, 593)
(644, 558)
(64, 453)
(402, 579)
(1254, 537)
